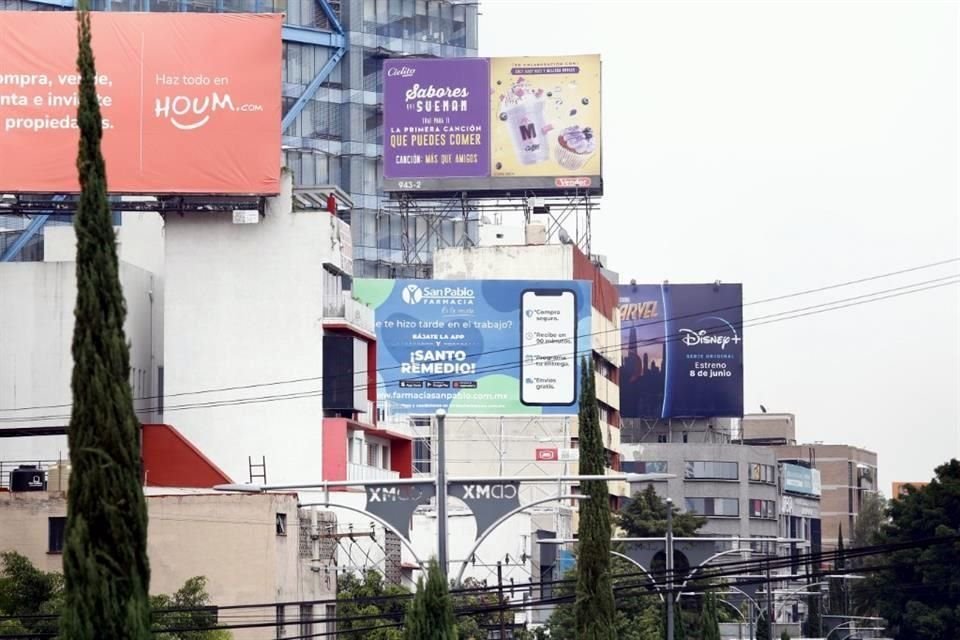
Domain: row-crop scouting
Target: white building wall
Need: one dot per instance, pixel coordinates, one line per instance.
(523, 262)
(37, 323)
(244, 308)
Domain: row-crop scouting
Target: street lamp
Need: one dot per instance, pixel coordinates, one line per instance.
(442, 492)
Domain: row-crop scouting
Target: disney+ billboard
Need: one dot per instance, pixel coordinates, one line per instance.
(682, 350)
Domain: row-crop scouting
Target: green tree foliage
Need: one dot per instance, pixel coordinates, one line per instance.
(812, 625)
(27, 592)
(594, 607)
(430, 614)
(198, 614)
(645, 516)
(785, 635)
(838, 595)
(639, 613)
(762, 629)
(106, 572)
(919, 591)
(474, 627)
(709, 616)
(870, 520)
(373, 602)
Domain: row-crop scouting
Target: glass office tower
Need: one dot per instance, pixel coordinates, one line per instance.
(337, 138)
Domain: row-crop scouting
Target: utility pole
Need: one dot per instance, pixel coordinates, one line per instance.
(442, 492)
(769, 602)
(503, 626)
(669, 599)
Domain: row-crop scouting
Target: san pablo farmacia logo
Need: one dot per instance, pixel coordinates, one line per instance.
(720, 334)
(186, 113)
(446, 296)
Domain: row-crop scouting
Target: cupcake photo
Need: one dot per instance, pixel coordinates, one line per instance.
(575, 146)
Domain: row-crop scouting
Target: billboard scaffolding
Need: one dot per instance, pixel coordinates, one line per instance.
(424, 224)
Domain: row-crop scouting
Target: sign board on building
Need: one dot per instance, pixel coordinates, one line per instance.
(479, 347)
(547, 455)
(492, 124)
(682, 350)
(181, 112)
(797, 479)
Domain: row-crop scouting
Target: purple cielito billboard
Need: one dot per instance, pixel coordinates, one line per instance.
(436, 118)
(489, 125)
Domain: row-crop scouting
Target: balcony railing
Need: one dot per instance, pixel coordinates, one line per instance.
(362, 472)
(349, 311)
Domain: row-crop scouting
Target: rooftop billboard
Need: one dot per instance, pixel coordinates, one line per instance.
(492, 125)
(797, 479)
(682, 351)
(183, 112)
(479, 347)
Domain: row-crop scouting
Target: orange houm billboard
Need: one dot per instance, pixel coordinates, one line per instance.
(190, 102)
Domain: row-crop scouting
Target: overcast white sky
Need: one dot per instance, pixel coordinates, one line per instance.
(788, 146)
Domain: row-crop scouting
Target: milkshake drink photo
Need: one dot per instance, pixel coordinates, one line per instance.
(522, 109)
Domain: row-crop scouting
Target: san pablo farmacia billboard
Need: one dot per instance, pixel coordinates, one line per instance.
(682, 350)
(479, 347)
(182, 111)
(492, 124)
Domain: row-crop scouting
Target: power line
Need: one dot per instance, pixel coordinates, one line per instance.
(653, 322)
(782, 316)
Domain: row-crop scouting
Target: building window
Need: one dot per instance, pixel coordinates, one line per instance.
(56, 528)
(762, 473)
(281, 524)
(649, 466)
(373, 455)
(661, 438)
(717, 507)
(421, 455)
(306, 620)
(766, 509)
(709, 470)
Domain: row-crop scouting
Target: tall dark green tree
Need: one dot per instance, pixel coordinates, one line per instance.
(594, 609)
(709, 616)
(838, 600)
(918, 590)
(430, 614)
(813, 624)
(106, 571)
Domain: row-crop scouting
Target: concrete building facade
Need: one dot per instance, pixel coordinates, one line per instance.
(734, 487)
(846, 472)
(252, 549)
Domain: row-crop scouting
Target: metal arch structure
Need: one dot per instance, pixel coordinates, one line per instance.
(378, 519)
(642, 568)
(504, 518)
(335, 39)
(705, 563)
(801, 590)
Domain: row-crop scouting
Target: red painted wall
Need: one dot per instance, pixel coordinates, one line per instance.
(401, 457)
(170, 460)
(604, 291)
(372, 378)
(334, 449)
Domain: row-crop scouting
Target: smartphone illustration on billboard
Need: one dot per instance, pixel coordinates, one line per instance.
(548, 351)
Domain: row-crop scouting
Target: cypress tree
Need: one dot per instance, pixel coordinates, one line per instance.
(594, 610)
(430, 614)
(105, 566)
